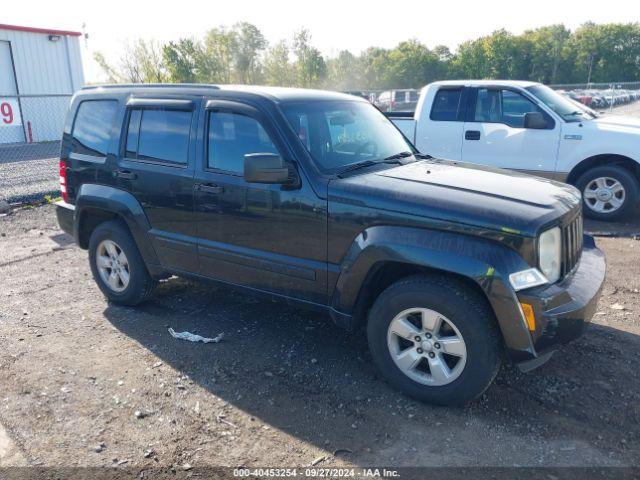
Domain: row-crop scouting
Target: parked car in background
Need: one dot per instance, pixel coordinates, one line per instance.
(397, 100)
(529, 127)
(317, 199)
(360, 93)
(601, 99)
(584, 97)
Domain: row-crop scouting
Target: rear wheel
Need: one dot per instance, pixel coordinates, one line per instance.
(117, 266)
(608, 193)
(435, 339)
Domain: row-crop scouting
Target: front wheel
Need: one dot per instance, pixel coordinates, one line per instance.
(434, 339)
(608, 193)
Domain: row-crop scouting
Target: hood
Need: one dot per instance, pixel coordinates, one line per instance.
(609, 121)
(463, 193)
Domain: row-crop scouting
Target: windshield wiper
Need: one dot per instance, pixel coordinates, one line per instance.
(398, 156)
(578, 115)
(356, 166)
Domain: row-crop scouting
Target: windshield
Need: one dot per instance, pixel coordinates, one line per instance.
(343, 132)
(559, 104)
(590, 111)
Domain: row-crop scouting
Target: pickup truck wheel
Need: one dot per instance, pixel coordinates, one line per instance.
(434, 339)
(608, 193)
(117, 266)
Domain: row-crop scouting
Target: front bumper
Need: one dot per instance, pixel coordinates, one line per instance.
(563, 310)
(65, 213)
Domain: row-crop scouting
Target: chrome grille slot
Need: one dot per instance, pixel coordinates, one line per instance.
(571, 245)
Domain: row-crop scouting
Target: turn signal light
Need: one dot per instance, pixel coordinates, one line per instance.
(527, 311)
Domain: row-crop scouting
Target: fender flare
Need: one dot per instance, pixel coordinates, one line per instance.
(485, 262)
(124, 205)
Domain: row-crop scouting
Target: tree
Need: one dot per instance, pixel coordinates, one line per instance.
(549, 54)
(141, 62)
(277, 68)
(470, 61)
(249, 43)
(374, 62)
(220, 46)
(113, 76)
(344, 72)
(548, 50)
(606, 53)
(412, 64)
(184, 61)
(505, 55)
(310, 66)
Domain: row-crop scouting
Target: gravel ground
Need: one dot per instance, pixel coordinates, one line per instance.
(283, 387)
(29, 171)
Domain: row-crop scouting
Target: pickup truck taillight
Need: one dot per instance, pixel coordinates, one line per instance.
(63, 180)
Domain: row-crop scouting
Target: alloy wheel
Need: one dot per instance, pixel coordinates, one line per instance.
(604, 195)
(426, 346)
(113, 265)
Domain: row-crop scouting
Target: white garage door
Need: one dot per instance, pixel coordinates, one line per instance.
(11, 129)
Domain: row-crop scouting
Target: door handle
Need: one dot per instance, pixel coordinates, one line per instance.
(209, 188)
(472, 135)
(126, 174)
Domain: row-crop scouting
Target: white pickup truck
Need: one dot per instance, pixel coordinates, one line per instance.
(528, 127)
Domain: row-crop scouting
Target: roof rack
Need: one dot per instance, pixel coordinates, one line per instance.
(146, 85)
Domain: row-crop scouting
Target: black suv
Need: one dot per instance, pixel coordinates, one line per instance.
(315, 197)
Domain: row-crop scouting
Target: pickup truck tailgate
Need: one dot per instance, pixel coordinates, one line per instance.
(407, 126)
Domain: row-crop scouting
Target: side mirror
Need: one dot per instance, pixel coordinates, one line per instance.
(265, 168)
(535, 120)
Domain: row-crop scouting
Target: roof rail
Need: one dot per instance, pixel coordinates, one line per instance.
(146, 85)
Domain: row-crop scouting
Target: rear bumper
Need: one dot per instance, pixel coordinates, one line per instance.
(563, 310)
(65, 213)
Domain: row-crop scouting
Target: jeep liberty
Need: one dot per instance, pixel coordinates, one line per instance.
(317, 198)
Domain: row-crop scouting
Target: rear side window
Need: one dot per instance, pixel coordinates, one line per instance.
(92, 127)
(231, 137)
(446, 105)
(157, 135)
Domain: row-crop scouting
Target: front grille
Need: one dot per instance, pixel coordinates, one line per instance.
(571, 244)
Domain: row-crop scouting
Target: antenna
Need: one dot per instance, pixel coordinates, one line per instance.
(85, 35)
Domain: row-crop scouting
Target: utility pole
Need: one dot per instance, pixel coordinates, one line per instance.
(590, 68)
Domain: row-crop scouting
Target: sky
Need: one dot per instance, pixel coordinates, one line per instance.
(334, 24)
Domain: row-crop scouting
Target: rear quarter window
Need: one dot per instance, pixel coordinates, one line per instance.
(92, 127)
(446, 105)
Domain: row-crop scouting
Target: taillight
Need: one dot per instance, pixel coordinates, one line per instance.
(63, 180)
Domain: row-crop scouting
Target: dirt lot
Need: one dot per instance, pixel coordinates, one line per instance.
(284, 387)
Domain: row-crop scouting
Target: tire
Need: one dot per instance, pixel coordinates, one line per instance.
(465, 314)
(139, 285)
(600, 183)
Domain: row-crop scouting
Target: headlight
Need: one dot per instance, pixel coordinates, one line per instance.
(549, 253)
